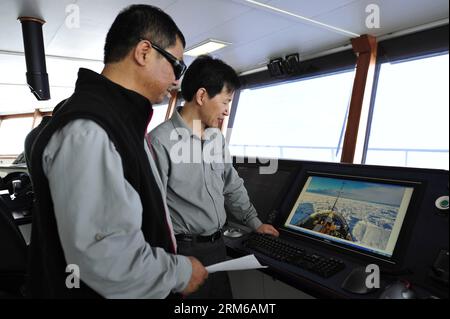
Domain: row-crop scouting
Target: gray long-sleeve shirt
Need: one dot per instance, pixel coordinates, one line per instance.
(200, 180)
(99, 216)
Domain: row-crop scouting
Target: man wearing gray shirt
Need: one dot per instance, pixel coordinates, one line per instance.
(195, 169)
(101, 208)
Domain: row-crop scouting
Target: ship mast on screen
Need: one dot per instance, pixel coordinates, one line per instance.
(328, 221)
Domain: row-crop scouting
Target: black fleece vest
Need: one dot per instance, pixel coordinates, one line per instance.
(124, 115)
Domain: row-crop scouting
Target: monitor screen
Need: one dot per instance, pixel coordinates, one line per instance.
(362, 214)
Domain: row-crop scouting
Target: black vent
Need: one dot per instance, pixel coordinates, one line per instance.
(33, 41)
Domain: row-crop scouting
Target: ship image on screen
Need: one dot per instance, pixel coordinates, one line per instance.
(361, 214)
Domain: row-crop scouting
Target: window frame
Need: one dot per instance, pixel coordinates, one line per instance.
(340, 62)
(411, 47)
(317, 75)
(375, 91)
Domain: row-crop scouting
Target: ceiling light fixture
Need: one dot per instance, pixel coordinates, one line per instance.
(206, 47)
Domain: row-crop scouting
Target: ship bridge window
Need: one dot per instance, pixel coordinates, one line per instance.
(301, 120)
(159, 116)
(410, 125)
(18, 105)
(12, 134)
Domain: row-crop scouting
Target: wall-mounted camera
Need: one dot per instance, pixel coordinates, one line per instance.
(289, 65)
(292, 63)
(275, 67)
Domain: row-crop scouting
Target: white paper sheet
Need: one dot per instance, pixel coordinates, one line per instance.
(243, 263)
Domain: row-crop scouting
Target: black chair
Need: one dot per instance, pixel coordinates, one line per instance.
(13, 255)
(23, 194)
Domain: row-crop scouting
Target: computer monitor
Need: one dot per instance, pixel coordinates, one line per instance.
(360, 214)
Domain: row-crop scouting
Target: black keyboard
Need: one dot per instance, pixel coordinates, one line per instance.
(285, 251)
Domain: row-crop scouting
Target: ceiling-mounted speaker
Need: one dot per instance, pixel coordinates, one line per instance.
(33, 42)
(292, 63)
(275, 67)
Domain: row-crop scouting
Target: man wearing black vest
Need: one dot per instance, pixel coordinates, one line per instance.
(101, 211)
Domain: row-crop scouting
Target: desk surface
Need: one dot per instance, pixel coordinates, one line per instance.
(315, 285)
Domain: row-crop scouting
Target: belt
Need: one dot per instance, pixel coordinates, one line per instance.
(200, 239)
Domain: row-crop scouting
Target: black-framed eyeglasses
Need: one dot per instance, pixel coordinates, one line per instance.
(178, 65)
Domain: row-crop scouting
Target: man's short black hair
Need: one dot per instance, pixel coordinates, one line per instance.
(138, 22)
(211, 74)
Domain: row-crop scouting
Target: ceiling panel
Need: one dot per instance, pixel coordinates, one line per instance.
(295, 39)
(84, 42)
(105, 11)
(204, 15)
(309, 8)
(87, 41)
(394, 15)
(256, 33)
(246, 28)
(51, 11)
